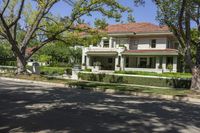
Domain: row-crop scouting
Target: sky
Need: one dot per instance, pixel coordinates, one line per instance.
(146, 13)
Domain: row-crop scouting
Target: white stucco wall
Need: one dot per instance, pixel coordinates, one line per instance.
(144, 43)
(123, 41)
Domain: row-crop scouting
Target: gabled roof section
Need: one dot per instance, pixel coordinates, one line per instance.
(142, 27)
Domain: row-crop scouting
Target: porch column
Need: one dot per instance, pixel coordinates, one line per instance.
(122, 63)
(157, 62)
(116, 63)
(87, 61)
(101, 43)
(83, 62)
(138, 62)
(114, 42)
(164, 63)
(175, 64)
(110, 42)
(83, 58)
(148, 61)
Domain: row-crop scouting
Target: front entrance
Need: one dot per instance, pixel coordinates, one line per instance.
(107, 63)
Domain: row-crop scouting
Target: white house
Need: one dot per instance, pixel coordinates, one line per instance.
(134, 47)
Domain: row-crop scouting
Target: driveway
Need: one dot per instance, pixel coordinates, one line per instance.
(37, 108)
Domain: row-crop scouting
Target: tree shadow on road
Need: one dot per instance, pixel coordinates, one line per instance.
(30, 108)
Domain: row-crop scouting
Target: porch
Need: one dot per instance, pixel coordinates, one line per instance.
(105, 60)
(157, 64)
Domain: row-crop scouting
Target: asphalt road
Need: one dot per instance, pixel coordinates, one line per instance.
(36, 108)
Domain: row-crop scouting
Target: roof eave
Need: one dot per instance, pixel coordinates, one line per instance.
(138, 34)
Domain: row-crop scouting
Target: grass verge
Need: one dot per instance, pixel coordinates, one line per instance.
(130, 88)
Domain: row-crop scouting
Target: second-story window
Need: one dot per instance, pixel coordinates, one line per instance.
(153, 43)
(105, 43)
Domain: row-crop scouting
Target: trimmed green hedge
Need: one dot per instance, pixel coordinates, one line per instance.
(165, 74)
(160, 82)
(55, 70)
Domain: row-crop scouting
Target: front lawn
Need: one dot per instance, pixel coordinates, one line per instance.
(123, 88)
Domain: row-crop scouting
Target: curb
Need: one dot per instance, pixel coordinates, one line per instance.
(111, 91)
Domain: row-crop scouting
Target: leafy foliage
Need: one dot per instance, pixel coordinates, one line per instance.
(59, 54)
(130, 18)
(41, 25)
(178, 15)
(100, 23)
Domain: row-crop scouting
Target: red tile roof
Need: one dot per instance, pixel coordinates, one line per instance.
(142, 27)
(29, 50)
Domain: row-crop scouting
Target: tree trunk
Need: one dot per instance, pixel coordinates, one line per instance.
(21, 66)
(195, 85)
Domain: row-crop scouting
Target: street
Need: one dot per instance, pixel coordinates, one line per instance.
(26, 107)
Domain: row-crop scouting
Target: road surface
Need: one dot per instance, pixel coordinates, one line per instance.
(26, 107)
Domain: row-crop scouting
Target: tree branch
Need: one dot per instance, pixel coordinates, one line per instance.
(4, 9)
(188, 54)
(180, 19)
(19, 14)
(43, 11)
(39, 47)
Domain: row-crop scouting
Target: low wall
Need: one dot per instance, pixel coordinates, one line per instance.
(5, 69)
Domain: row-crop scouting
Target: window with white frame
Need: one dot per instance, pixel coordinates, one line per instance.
(106, 43)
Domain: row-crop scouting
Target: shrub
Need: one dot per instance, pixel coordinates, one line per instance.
(165, 74)
(160, 66)
(54, 70)
(160, 82)
(88, 70)
(69, 71)
(170, 67)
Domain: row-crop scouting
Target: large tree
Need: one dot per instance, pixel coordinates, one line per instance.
(183, 18)
(38, 22)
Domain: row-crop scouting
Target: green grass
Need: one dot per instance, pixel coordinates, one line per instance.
(122, 88)
(168, 74)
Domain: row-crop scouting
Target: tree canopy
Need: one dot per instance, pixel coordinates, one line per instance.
(183, 18)
(39, 23)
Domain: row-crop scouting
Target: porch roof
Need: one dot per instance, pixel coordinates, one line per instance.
(151, 52)
(102, 53)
